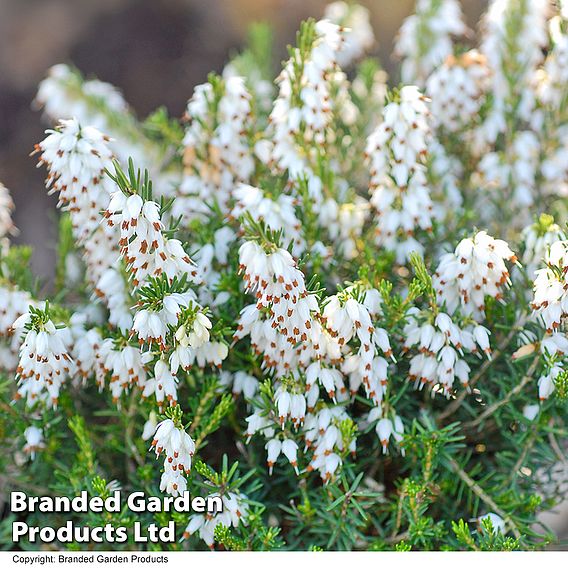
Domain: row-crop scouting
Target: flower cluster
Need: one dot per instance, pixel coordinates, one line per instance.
(143, 244)
(65, 95)
(178, 448)
(6, 206)
(516, 168)
(235, 512)
(359, 36)
(550, 287)
(348, 319)
(76, 158)
(280, 291)
(554, 73)
(537, 240)
(441, 345)
(425, 38)
(45, 362)
(277, 214)
(324, 437)
(34, 441)
(457, 90)
(122, 363)
(476, 269)
(304, 106)
(400, 194)
(13, 304)
(514, 38)
(217, 153)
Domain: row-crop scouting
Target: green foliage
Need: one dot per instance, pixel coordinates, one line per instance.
(15, 267)
(162, 128)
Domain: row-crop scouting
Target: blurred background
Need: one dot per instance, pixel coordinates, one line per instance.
(155, 51)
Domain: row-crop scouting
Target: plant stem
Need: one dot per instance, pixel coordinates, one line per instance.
(477, 490)
(454, 406)
(494, 407)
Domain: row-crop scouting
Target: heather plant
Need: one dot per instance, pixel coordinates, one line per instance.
(336, 300)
